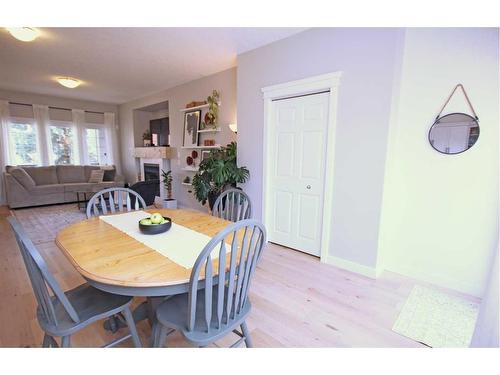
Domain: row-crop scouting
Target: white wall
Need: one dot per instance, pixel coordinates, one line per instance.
(440, 212)
(178, 97)
(487, 333)
(368, 58)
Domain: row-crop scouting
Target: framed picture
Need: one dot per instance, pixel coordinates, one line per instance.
(204, 155)
(191, 125)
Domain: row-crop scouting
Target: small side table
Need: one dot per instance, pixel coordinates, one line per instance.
(83, 198)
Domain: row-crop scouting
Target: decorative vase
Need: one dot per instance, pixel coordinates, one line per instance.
(170, 203)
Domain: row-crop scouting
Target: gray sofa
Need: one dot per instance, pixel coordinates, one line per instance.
(35, 186)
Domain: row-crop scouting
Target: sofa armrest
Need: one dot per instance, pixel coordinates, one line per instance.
(15, 192)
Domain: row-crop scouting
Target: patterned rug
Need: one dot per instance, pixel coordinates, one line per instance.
(43, 223)
(437, 319)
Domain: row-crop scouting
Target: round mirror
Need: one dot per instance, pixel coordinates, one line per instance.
(454, 133)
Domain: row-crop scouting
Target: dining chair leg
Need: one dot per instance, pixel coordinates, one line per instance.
(131, 327)
(246, 333)
(155, 330)
(66, 342)
(48, 341)
(162, 336)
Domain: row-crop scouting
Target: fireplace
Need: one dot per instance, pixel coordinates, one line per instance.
(151, 171)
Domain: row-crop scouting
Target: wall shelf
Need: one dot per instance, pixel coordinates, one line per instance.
(196, 108)
(216, 130)
(199, 147)
(187, 184)
(190, 169)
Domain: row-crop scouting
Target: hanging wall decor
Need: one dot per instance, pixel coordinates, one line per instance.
(456, 132)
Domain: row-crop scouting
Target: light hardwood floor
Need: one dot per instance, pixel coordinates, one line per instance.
(297, 302)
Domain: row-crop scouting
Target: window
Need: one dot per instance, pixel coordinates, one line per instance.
(23, 142)
(95, 146)
(62, 144)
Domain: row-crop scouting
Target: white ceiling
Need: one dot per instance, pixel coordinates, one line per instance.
(121, 64)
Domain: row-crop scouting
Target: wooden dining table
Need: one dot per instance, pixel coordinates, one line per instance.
(113, 261)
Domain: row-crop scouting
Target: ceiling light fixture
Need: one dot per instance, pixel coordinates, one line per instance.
(69, 82)
(25, 34)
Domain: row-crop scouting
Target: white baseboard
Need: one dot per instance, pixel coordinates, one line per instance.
(370, 272)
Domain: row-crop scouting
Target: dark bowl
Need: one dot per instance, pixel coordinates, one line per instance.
(155, 228)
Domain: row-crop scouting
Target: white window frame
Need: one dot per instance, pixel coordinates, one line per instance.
(24, 120)
(63, 124)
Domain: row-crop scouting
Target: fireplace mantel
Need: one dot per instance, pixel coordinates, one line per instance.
(155, 152)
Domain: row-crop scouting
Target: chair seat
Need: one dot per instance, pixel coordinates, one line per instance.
(91, 304)
(173, 313)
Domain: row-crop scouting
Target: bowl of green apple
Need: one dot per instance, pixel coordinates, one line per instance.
(155, 224)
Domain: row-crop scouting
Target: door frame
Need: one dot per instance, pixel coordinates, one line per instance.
(311, 85)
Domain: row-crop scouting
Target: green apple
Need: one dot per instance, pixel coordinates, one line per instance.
(145, 222)
(156, 218)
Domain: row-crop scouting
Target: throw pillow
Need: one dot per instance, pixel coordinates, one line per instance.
(96, 176)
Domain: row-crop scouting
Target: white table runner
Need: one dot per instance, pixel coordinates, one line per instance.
(180, 244)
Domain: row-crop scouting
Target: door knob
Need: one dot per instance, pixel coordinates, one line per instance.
(308, 186)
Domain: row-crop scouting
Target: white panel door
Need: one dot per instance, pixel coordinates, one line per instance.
(297, 170)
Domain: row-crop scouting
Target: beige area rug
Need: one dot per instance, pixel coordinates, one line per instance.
(437, 319)
(43, 223)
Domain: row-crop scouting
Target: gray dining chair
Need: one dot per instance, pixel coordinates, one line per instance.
(233, 205)
(64, 313)
(105, 201)
(218, 304)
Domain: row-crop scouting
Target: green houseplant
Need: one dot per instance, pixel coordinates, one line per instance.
(218, 172)
(167, 182)
(212, 114)
(146, 138)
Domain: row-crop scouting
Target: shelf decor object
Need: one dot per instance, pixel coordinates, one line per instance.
(191, 125)
(212, 114)
(455, 132)
(194, 104)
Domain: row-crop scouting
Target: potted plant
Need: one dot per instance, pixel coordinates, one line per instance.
(146, 138)
(169, 202)
(212, 114)
(218, 172)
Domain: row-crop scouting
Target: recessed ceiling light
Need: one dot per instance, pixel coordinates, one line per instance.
(25, 34)
(69, 82)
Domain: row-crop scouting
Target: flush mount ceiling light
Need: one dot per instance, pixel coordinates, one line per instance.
(69, 82)
(25, 34)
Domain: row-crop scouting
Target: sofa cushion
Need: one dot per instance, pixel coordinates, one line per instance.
(43, 175)
(89, 169)
(70, 174)
(48, 189)
(23, 178)
(109, 173)
(79, 186)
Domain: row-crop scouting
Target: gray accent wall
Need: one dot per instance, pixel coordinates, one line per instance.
(368, 58)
